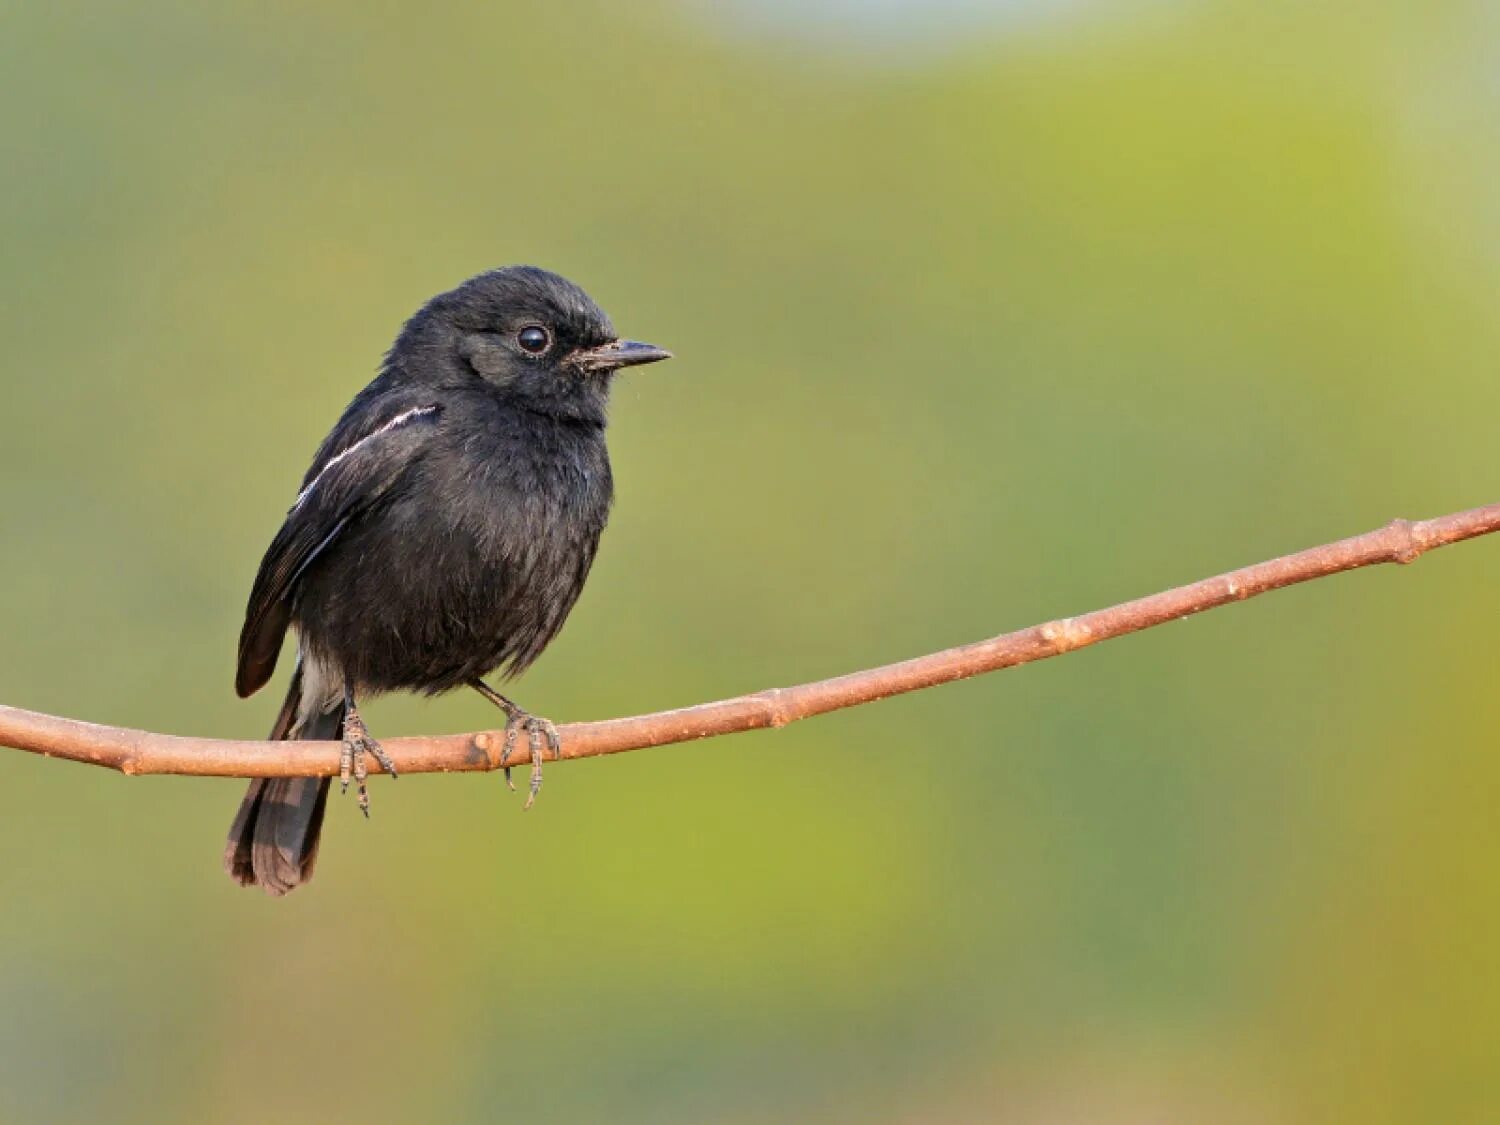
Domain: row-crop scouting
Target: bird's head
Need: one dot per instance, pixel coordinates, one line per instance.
(533, 335)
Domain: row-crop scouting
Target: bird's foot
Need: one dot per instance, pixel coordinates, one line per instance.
(539, 733)
(358, 743)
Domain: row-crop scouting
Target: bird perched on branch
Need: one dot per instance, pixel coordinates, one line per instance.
(444, 531)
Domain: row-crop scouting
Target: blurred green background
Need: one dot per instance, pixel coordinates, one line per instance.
(983, 314)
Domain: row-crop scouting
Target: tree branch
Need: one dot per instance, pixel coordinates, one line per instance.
(140, 752)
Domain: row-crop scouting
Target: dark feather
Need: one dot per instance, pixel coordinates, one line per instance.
(351, 482)
(273, 841)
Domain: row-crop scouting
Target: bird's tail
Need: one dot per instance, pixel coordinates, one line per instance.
(273, 842)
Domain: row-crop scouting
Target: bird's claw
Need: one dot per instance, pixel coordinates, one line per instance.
(358, 743)
(540, 734)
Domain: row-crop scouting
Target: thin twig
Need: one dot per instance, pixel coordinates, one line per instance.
(140, 752)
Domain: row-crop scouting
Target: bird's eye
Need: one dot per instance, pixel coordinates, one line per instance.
(534, 339)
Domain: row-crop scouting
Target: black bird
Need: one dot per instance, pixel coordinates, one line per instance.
(444, 531)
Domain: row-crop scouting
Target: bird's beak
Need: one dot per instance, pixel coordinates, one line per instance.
(617, 353)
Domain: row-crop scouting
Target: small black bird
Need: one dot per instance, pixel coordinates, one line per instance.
(445, 530)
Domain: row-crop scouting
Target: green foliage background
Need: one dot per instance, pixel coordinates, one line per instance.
(1011, 322)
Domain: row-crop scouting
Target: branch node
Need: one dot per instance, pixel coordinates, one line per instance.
(1413, 541)
(1066, 634)
(777, 715)
(481, 743)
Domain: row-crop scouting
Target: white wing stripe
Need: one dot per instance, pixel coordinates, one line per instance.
(395, 423)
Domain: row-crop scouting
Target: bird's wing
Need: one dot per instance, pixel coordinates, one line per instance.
(346, 479)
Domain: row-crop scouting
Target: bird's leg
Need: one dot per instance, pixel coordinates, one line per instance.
(357, 742)
(538, 731)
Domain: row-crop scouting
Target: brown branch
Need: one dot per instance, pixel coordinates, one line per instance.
(139, 752)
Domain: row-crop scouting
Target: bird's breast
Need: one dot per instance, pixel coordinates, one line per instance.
(489, 541)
